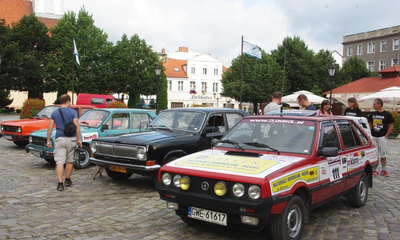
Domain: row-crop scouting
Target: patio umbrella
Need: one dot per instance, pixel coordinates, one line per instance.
(292, 98)
(390, 97)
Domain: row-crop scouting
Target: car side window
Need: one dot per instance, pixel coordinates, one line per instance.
(119, 121)
(140, 120)
(215, 123)
(232, 119)
(329, 136)
(349, 137)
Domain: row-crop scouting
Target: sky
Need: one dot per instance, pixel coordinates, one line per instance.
(217, 26)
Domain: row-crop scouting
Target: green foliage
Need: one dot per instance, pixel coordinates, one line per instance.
(117, 105)
(396, 123)
(5, 98)
(31, 107)
(353, 69)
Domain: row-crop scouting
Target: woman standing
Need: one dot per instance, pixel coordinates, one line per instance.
(325, 109)
(353, 109)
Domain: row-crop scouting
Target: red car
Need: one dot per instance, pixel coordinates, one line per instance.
(18, 130)
(272, 170)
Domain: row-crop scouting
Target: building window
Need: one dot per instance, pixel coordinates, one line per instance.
(215, 87)
(383, 46)
(360, 49)
(395, 61)
(215, 71)
(349, 51)
(193, 70)
(382, 64)
(176, 69)
(371, 48)
(204, 87)
(370, 66)
(204, 71)
(169, 85)
(192, 86)
(396, 44)
(180, 86)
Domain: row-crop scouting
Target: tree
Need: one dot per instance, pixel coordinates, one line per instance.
(298, 62)
(133, 70)
(353, 69)
(31, 59)
(324, 59)
(261, 78)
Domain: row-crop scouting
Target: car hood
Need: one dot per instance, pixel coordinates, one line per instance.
(217, 161)
(29, 121)
(42, 133)
(144, 138)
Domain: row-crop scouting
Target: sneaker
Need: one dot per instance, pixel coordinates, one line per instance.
(384, 173)
(68, 182)
(375, 173)
(60, 187)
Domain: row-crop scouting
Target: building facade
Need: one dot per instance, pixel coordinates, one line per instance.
(194, 79)
(379, 48)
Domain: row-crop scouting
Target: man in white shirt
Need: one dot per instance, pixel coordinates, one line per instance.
(275, 103)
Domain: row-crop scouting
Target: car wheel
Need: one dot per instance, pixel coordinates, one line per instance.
(21, 143)
(82, 159)
(358, 196)
(290, 224)
(118, 175)
(190, 221)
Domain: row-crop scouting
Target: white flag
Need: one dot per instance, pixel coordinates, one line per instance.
(251, 49)
(76, 54)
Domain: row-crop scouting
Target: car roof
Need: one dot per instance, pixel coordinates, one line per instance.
(303, 117)
(291, 112)
(135, 110)
(207, 109)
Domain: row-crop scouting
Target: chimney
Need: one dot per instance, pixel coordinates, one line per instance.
(163, 51)
(183, 49)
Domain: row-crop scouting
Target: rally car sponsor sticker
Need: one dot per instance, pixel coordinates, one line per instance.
(89, 136)
(308, 175)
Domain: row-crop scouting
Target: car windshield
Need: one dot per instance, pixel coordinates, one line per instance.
(280, 135)
(93, 118)
(47, 111)
(179, 120)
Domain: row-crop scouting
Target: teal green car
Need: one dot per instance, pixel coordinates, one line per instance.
(94, 123)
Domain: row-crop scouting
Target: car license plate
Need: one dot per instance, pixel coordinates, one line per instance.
(35, 153)
(8, 137)
(117, 169)
(207, 215)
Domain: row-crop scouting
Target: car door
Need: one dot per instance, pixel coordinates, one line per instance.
(215, 128)
(117, 123)
(331, 168)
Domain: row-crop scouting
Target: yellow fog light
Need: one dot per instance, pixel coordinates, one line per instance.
(220, 189)
(185, 183)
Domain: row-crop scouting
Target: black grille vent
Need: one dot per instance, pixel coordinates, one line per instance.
(10, 128)
(39, 141)
(244, 154)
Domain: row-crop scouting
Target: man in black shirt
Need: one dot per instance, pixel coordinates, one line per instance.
(381, 125)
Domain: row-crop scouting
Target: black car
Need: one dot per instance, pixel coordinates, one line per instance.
(173, 134)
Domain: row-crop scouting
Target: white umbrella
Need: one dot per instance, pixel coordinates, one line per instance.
(390, 97)
(292, 98)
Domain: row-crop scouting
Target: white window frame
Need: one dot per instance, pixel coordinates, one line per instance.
(360, 49)
(371, 66)
(383, 46)
(169, 85)
(350, 51)
(215, 87)
(204, 71)
(216, 71)
(371, 47)
(396, 44)
(393, 59)
(382, 64)
(204, 87)
(180, 86)
(192, 86)
(193, 70)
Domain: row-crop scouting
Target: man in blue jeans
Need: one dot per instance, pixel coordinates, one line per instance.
(64, 146)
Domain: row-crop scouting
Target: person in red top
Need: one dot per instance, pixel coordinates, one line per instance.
(381, 125)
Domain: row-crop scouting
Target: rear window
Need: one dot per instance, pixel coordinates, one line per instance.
(97, 101)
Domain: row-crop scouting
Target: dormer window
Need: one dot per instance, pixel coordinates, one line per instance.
(176, 69)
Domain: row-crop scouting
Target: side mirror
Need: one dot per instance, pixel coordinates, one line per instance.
(328, 152)
(104, 127)
(214, 142)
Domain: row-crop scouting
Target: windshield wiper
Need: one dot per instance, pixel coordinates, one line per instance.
(163, 127)
(235, 144)
(262, 145)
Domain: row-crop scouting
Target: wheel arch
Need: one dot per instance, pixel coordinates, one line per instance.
(174, 153)
(368, 171)
(305, 194)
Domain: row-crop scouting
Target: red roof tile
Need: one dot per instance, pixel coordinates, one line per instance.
(173, 64)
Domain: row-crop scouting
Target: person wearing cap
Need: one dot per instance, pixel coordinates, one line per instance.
(353, 109)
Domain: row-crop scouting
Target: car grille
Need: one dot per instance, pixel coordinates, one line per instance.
(10, 128)
(116, 150)
(39, 141)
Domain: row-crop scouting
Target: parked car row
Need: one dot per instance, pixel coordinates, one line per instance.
(223, 167)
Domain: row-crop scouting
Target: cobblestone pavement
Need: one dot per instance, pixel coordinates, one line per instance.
(31, 208)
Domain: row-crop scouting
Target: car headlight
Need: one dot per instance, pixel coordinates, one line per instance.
(238, 190)
(185, 183)
(254, 192)
(220, 189)
(19, 130)
(2, 128)
(93, 146)
(177, 181)
(30, 139)
(166, 179)
(141, 154)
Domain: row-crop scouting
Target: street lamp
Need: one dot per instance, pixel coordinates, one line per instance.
(158, 73)
(331, 70)
(216, 96)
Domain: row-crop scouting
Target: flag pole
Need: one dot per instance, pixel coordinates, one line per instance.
(241, 75)
(73, 51)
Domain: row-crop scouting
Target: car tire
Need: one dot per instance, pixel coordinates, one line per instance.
(84, 156)
(118, 175)
(359, 194)
(21, 143)
(190, 221)
(290, 224)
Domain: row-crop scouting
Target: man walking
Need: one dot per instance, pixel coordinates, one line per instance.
(275, 104)
(381, 125)
(64, 146)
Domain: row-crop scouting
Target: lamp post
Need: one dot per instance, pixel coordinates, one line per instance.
(216, 96)
(331, 70)
(158, 73)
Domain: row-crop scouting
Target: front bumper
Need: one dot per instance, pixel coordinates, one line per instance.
(13, 137)
(39, 153)
(130, 167)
